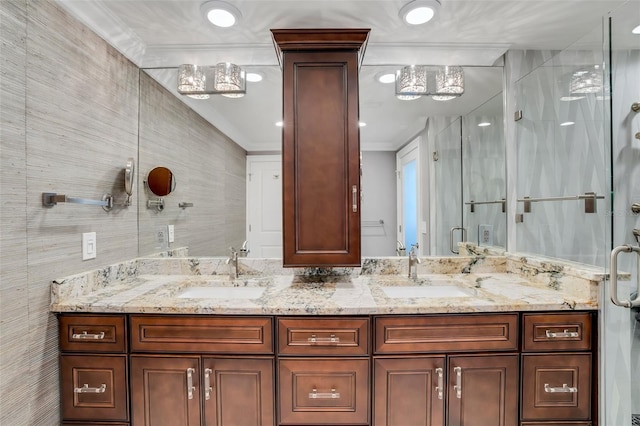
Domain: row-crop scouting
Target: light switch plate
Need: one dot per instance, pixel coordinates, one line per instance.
(89, 247)
(170, 233)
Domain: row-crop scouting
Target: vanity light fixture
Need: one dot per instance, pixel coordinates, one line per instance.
(411, 82)
(586, 80)
(220, 14)
(199, 82)
(419, 12)
(191, 78)
(230, 80)
(449, 83)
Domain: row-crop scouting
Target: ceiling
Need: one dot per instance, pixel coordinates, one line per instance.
(159, 35)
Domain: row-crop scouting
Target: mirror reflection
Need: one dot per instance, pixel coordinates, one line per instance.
(388, 126)
(161, 181)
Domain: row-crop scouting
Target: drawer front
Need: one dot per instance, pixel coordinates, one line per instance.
(446, 333)
(93, 333)
(556, 386)
(94, 387)
(557, 332)
(324, 391)
(94, 424)
(200, 334)
(327, 336)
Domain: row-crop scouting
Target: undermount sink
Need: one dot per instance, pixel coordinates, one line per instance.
(221, 292)
(408, 292)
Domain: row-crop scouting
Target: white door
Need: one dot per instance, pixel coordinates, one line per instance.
(264, 206)
(408, 170)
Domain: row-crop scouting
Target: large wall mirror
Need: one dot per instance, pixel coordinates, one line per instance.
(470, 165)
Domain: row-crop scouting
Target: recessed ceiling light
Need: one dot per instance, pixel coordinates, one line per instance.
(220, 14)
(279, 123)
(361, 123)
(386, 77)
(484, 124)
(636, 30)
(253, 77)
(419, 11)
(567, 123)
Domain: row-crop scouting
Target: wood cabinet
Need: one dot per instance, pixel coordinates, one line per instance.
(557, 369)
(455, 388)
(320, 146)
(323, 371)
(210, 380)
(492, 369)
(209, 391)
(93, 369)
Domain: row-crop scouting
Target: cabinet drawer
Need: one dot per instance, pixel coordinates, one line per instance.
(324, 391)
(556, 386)
(556, 332)
(94, 387)
(446, 333)
(93, 333)
(94, 424)
(327, 336)
(200, 334)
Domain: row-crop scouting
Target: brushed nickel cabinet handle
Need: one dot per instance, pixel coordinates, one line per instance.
(440, 387)
(564, 389)
(560, 335)
(354, 193)
(207, 383)
(333, 339)
(87, 389)
(314, 394)
(87, 336)
(190, 387)
(458, 385)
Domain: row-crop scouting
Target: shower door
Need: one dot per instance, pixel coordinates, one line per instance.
(620, 342)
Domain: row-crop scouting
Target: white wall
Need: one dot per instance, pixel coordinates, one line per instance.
(378, 183)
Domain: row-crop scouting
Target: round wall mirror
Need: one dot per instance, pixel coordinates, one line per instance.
(161, 181)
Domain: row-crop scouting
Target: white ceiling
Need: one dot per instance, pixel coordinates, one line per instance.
(166, 33)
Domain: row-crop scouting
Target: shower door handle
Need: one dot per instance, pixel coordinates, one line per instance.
(613, 281)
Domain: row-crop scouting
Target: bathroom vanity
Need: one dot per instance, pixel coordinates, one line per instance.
(471, 341)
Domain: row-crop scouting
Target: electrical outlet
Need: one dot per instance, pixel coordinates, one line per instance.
(170, 233)
(485, 235)
(89, 248)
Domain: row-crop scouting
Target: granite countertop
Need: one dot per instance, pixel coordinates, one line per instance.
(380, 286)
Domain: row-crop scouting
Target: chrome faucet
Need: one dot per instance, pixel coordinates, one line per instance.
(244, 251)
(414, 260)
(232, 261)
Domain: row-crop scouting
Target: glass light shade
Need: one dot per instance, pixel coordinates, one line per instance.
(411, 82)
(586, 81)
(230, 80)
(192, 79)
(449, 83)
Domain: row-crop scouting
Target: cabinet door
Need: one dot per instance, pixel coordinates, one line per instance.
(165, 391)
(483, 390)
(320, 147)
(238, 392)
(409, 391)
